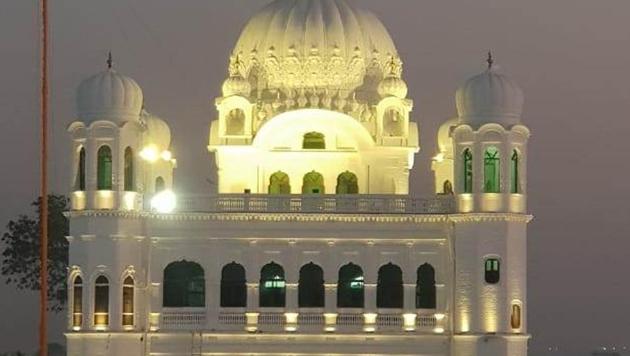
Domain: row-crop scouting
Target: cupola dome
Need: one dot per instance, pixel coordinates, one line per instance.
(490, 97)
(393, 84)
(328, 44)
(158, 133)
(109, 96)
(236, 84)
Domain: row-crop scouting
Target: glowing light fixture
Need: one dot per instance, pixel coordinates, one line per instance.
(438, 330)
(166, 155)
(150, 153)
(439, 157)
(409, 322)
(164, 202)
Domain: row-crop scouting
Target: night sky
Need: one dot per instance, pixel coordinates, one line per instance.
(571, 57)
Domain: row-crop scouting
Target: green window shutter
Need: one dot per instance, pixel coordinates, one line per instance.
(492, 171)
(129, 170)
(514, 172)
(468, 171)
(104, 168)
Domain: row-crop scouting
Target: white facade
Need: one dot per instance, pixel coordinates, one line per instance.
(313, 245)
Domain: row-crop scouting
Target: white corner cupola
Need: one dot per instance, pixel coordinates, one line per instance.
(157, 134)
(490, 97)
(110, 96)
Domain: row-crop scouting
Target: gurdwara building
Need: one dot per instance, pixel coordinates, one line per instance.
(312, 244)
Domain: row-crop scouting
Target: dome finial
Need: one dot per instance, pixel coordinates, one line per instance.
(490, 60)
(110, 61)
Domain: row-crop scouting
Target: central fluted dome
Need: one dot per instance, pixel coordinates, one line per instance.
(327, 44)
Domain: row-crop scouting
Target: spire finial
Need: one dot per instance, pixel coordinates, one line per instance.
(110, 61)
(490, 60)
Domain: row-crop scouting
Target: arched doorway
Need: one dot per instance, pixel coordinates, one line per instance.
(279, 183)
(347, 183)
(313, 183)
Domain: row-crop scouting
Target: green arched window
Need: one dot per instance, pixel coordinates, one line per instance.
(313, 183)
(492, 170)
(514, 172)
(184, 285)
(129, 174)
(389, 288)
(272, 286)
(279, 183)
(311, 286)
(104, 168)
(468, 171)
(159, 184)
(350, 287)
(101, 301)
(314, 141)
(425, 287)
(233, 286)
(347, 183)
(80, 181)
(492, 270)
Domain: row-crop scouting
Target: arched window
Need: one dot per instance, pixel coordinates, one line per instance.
(468, 171)
(159, 184)
(393, 122)
(101, 301)
(389, 288)
(184, 285)
(235, 123)
(447, 188)
(492, 268)
(233, 286)
(311, 286)
(272, 286)
(515, 319)
(104, 168)
(313, 183)
(77, 302)
(514, 173)
(350, 287)
(127, 301)
(492, 170)
(347, 183)
(129, 176)
(80, 180)
(425, 287)
(314, 141)
(279, 183)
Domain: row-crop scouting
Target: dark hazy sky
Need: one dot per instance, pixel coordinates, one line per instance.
(570, 56)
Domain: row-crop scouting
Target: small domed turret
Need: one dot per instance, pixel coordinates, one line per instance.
(158, 133)
(393, 84)
(109, 96)
(236, 84)
(490, 97)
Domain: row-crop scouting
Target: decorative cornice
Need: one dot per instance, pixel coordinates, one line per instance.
(306, 217)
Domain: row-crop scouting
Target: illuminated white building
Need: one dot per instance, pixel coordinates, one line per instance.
(312, 245)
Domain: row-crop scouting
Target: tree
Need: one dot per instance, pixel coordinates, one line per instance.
(20, 264)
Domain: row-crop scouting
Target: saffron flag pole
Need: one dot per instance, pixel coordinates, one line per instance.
(43, 211)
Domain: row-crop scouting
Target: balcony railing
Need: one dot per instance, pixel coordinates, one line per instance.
(185, 319)
(350, 204)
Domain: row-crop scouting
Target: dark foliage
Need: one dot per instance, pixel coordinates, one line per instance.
(20, 264)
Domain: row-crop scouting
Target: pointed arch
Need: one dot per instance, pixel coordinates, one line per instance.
(389, 288)
(104, 168)
(279, 183)
(492, 170)
(184, 285)
(101, 301)
(425, 287)
(468, 171)
(80, 178)
(393, 122)
(347, 183)
(128, 302)
(350, 287)
(233, 286)
(77, 302)
(235, 122)
(313, 183)
(129, 178)
(314, 141)
(272, 286)
(311, 286)
(160, 185)
(515, 182)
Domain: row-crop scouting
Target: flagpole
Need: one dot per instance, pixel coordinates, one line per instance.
(43, 217)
